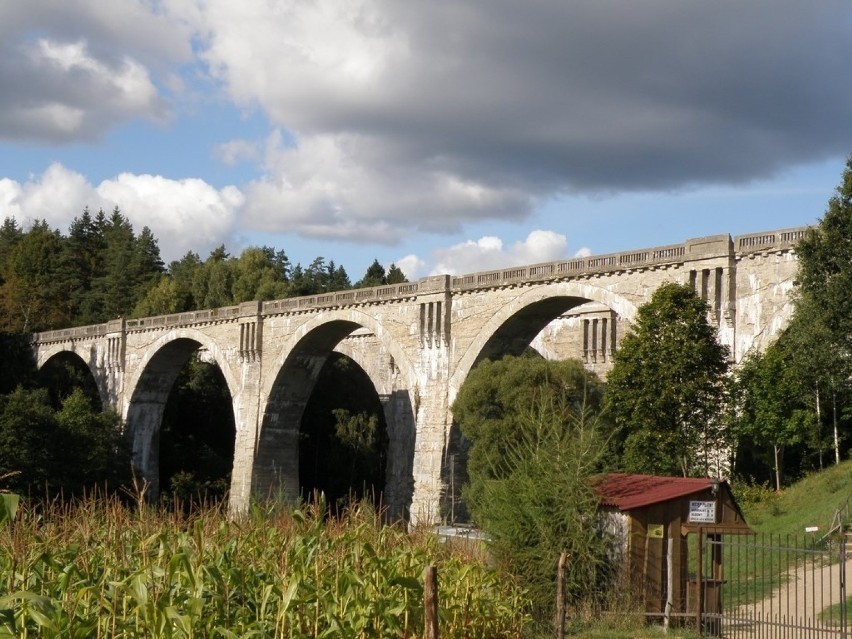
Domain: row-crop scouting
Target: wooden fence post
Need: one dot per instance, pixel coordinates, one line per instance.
(430, 602)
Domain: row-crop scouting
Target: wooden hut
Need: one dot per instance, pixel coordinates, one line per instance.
(660, 522)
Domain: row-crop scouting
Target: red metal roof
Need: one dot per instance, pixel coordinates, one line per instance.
(625, 491)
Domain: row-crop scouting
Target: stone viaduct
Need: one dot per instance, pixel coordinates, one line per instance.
(417, 342)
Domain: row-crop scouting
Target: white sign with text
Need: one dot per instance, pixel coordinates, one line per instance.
(702, 512)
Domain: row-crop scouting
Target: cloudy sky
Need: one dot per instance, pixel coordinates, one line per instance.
(443, 135)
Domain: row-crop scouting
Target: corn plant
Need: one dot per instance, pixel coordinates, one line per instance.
(98, 569)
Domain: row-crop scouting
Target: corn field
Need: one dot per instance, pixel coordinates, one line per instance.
(100, 569)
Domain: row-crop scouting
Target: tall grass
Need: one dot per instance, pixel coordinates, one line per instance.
(99, 569)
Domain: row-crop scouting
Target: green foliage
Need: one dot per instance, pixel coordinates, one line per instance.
(197, 435)
(28, 427)
(93, 450)
(493, 404)
(812, 500)
(64, 373)
(257, 277)
(395, 275)
(31, 298)
(96, 570)
(18, 368)
(8, 507)
(821, 328)
(375, 276)
(534, 449)
(770, 405)
(319, 277)
(825, 263)
(70, 450)
(543, 504)
(666, 390)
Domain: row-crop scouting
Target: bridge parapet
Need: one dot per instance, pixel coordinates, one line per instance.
(784, 239)
(66, 334)
(575, 268)
(634, 260)
(207, 316)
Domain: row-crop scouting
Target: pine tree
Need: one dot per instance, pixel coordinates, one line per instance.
(82, 256)
(31, 296)
(395, 275)
(375, 276)
(147, 265)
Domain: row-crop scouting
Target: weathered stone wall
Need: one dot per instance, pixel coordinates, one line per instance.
(417, 342)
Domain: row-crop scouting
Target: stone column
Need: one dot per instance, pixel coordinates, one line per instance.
(246, 405)
(430, 398)
(112, 384)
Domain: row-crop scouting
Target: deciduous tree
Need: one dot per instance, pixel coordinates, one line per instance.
(536, 443)
(822, 324)
(771, 406)
(666, 388)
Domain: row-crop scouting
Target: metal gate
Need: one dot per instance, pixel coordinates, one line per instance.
(773, 587)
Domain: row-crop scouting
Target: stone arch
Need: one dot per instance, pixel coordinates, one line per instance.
(88, 354)
(284, 396)
(528, 313)
(148, 388)
(511, 330)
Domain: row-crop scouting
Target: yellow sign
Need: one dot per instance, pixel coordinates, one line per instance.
(655, 531)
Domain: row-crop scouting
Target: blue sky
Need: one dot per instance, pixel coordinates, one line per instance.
(442, 136)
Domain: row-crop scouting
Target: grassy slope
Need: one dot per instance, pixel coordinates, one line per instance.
(812, 501)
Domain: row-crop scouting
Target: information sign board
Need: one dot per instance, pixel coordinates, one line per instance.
(702, 512)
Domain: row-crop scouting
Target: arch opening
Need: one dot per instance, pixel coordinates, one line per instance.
(65, 372)
(555, 328)
(595, 323)
(335, 422)
(343, 440)
(180, 422)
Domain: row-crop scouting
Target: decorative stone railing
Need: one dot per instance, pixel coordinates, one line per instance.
(781, 240)
(784, 239)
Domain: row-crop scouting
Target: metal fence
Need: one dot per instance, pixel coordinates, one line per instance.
(774, 587)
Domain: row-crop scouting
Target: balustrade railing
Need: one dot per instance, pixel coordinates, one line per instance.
(781, 240)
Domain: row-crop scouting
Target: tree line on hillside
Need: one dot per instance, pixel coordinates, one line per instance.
(102, 269)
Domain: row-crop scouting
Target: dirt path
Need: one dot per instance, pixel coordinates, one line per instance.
(794, 610)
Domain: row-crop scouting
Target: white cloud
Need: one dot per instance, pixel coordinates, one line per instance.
(235, 151)
(72, 70)
(184, 215)
(352, 187)
(487, 253)
(392, 118)
(411, 265)
(57, 195)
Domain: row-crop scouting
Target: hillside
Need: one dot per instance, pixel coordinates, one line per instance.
(812, 501)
